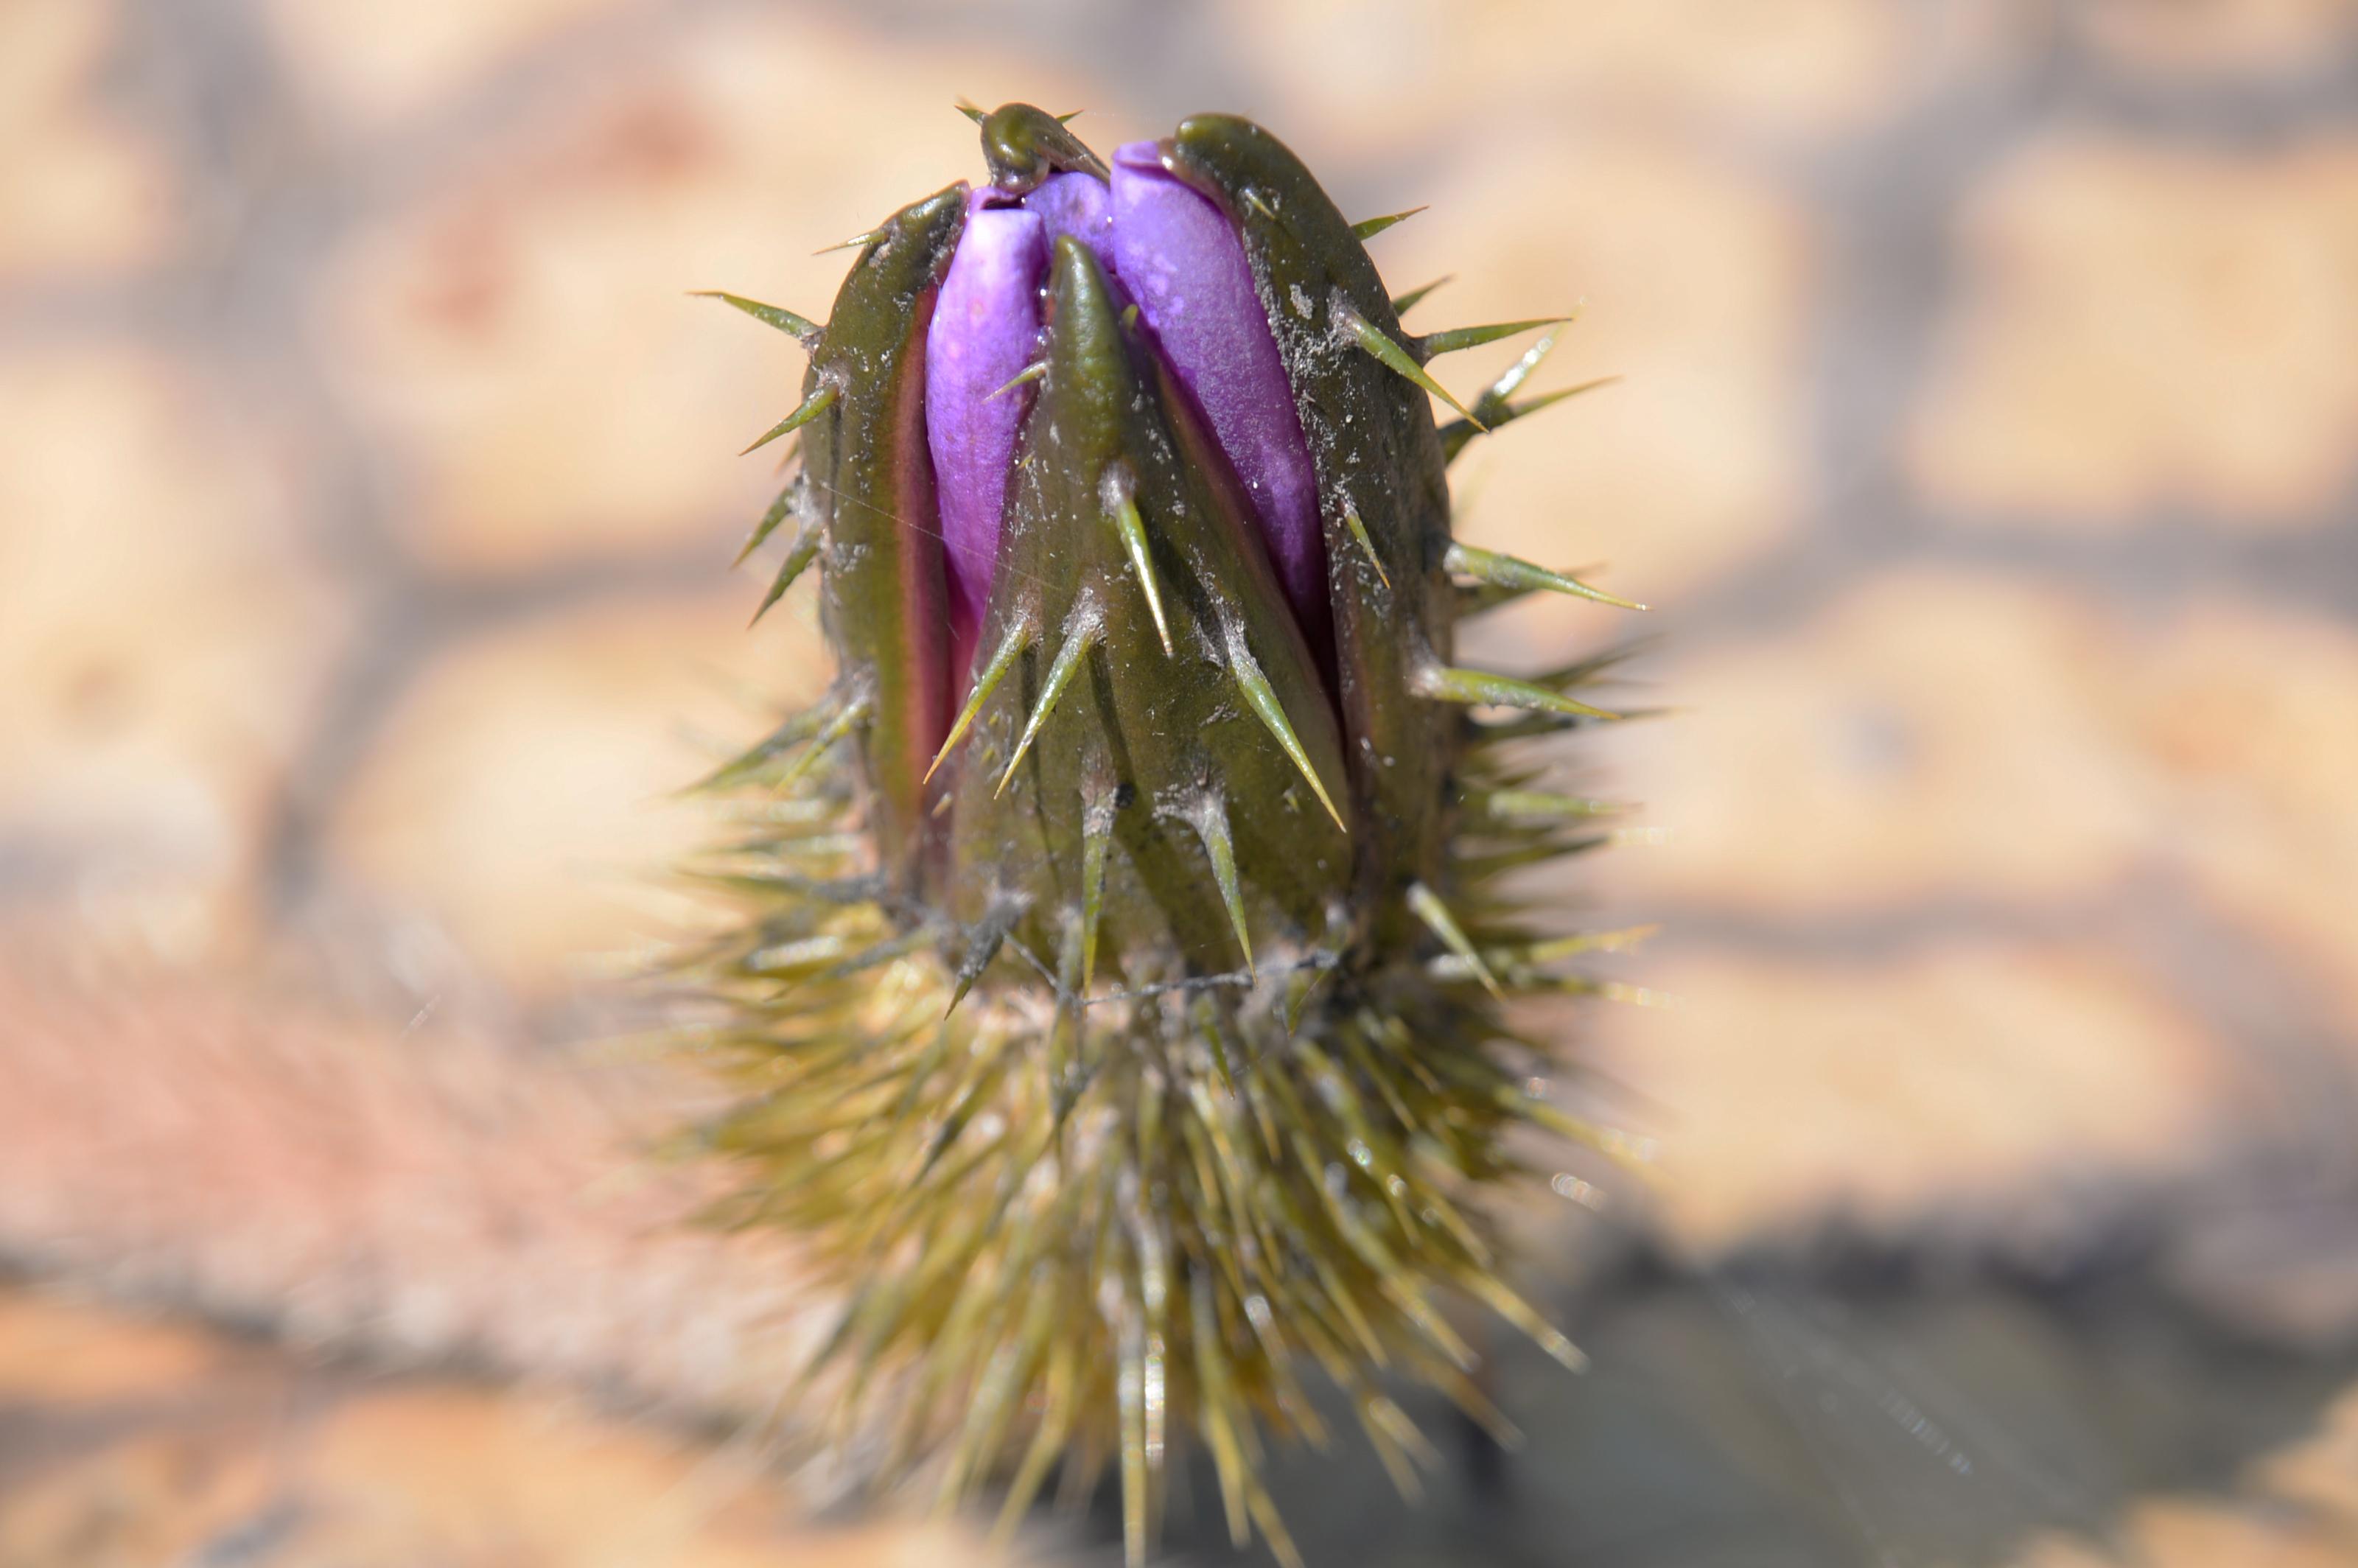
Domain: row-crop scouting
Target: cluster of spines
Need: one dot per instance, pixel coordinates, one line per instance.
(821, 1040)
(936, 1163)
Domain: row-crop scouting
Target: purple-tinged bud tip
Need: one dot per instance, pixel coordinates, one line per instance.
(985, 331)
(1179, 257)
(1076, 204)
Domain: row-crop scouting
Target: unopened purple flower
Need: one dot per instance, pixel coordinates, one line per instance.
(1177, 258)
(1117, 1003)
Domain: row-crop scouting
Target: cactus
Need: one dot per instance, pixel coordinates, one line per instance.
(1115, 995)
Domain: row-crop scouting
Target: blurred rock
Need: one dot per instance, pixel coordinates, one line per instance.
(526, 794)
(2210, 39)
(2245, 713)
(2296, 1507)
(1690, 282)
(166, 640)
(2146, 327)
(366, 65)
(67, 1352)
(1399, 73)
(1928, 737)
(424, 1195)
(524, 334)
(2281, 1273)
(82, 187)
(2012, 1095)
(261, 1458)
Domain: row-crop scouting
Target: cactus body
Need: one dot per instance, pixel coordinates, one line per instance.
(1116, 999)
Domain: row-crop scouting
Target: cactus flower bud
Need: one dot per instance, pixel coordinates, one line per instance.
(1117, 999)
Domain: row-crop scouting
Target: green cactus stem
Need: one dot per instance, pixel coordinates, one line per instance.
(1114, 999)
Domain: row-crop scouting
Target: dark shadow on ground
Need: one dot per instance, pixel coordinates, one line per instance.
(1877, 1412)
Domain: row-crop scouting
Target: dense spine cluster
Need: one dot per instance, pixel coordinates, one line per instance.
(1116, 999)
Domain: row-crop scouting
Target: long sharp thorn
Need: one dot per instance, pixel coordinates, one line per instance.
(1457, 433)
(1303, 982)
(1358, 528)
(1060, 674)
(1130, 1405)
(870, 238)
(1262, 697)
(1273, 1525)
(1533, 404)
(1621, 941)
(1394, 358)
(1215, 1036)
(970, 110)
(1509, 572)
(799, 727)
(1115, 492)
(987, 943)
(1476, 688)
(1450, 339)
(1541, 803)
(1523, 1315)
(820, 400)
(1069, 115)
(805, 550)
(855, 712)
(1097, 836)
(1511, 379)
(1211, 825)
(801, 328)
(1404, 303)
(1029, 373)
(1047, 1442)
(1369, 228)
(1018, 638)
(1427, 906)
(770, 521)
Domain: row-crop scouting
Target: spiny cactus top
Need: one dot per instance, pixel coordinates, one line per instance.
(1116, 999)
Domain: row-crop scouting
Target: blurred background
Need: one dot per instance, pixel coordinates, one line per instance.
(1986, 441)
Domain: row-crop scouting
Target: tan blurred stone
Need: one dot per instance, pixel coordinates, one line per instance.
(422, 1194)
(2320, 1472)
(2246, 716)
(367, 64)
(1937, 735)
(80, 188)
(164, 639)
(524, 794)
(2142, 326)
(1928, 735)
(1973, 1087)
(1692, 282)
(2218, 37)
(517, 1479)
(2187, 1533)
(2295, 1507)
(1401, 73)
(284, 1461)
(525, 335)
(53, 1349)
(161, 1498)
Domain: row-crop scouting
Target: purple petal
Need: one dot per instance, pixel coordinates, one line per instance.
(1079, 205)
(986, 328)
(1180, 259)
